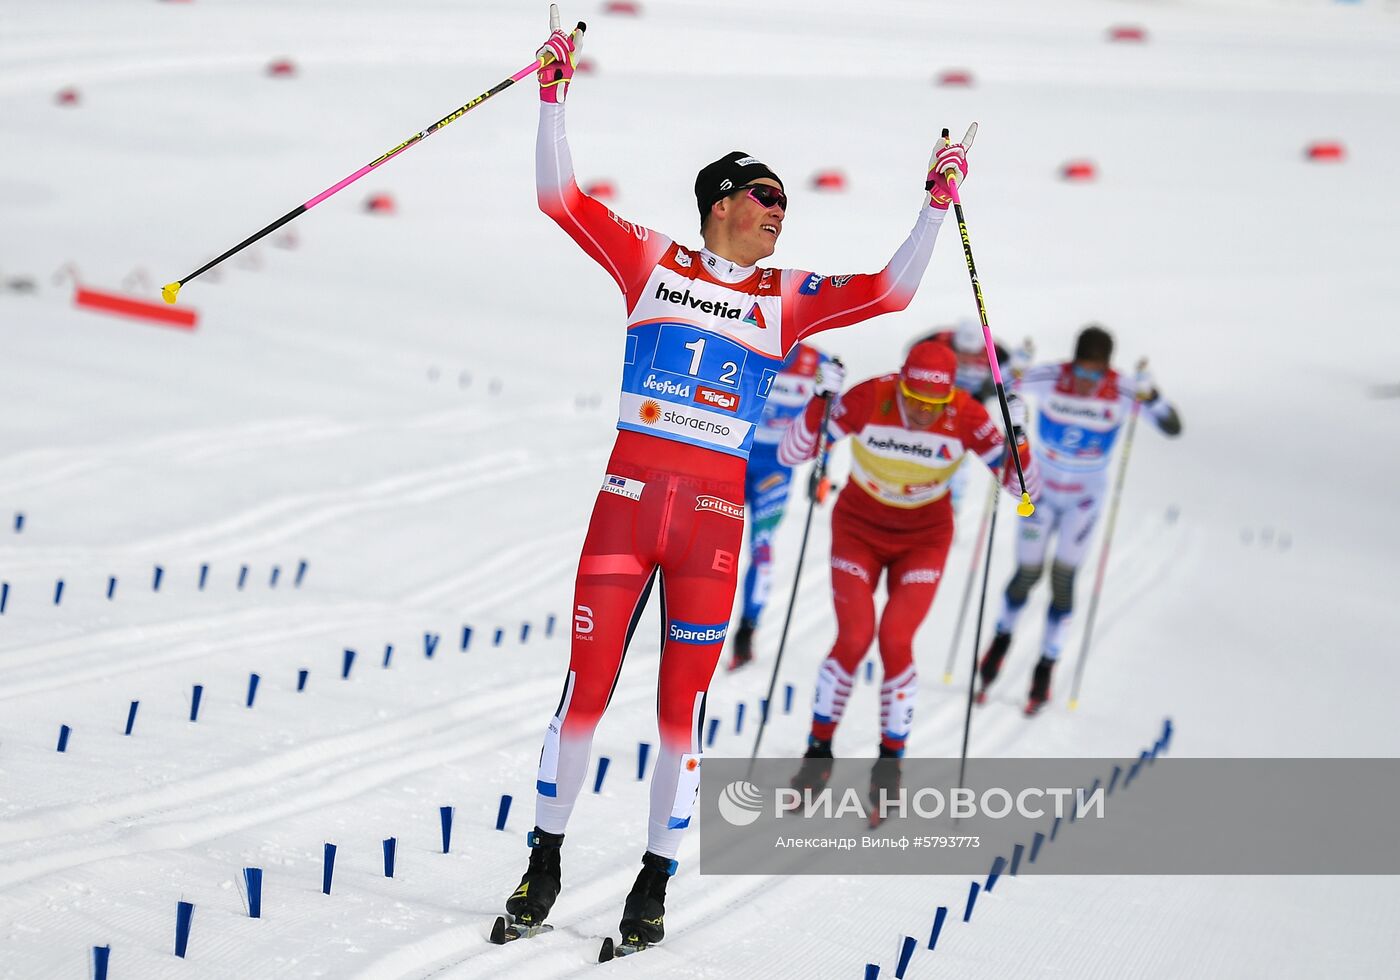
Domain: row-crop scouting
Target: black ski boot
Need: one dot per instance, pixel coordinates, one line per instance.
(743, 644)
(530, 903)
(991, 663)
(884, 776)
(1040, 686)
(644, 913)
(816, 766)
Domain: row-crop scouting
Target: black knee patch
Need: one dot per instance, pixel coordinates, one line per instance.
(1062, 588)
(1021, 584)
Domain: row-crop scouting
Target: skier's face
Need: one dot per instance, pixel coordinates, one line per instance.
(1088, 375)
(754, 226)
(920, 413)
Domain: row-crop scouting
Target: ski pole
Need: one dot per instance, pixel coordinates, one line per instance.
(816, 491)
(971, 578)
(171, 291)
(981, 609)
(1025, 508)
(1103, 552)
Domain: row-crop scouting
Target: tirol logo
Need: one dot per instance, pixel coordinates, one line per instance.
(719, 399)
(740, 803)
(650, 412)
(667, 387)
(720, 506)
(755, 317)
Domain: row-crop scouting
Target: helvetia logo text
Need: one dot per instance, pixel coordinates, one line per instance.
(740, 803)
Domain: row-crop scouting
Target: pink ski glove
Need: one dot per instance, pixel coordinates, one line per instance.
(556, 60)
(946, 156)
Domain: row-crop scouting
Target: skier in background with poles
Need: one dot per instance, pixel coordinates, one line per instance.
(707, 332)
(1081, 407)
(909, 432)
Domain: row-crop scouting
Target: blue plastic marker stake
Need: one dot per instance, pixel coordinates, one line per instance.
(713, 733)
(1036, 841)
(272, 581)
(301, 573)
(1113, 783)
(466, 636)
(194, 702)
(643, 751)
(242, 576)
(1055, 828)
(4, 595)
(430, 642)
(58, 592)
(788, 692)
(904, 955)
(998, 866)
(252, 688)
(100, 957)
(390, 845)
(203, 576)
(63, 732)
(971, 901)
(184, 914)
(347, 661)
(602, 771)
(938, 919)
(738, 718)
(19, 522)
(763, 708)
(1016, 853)
(131, 717)
(252, 878)
(301, 679)
(524, 632)
(1132, 774)
(1166, 723)
(388, 653)
(872, 971)
(549, 625)
(503, 812)
(499, 634)
(111, 585)
(327, 869)
(870, 670)
(445, 817)
(155, 581)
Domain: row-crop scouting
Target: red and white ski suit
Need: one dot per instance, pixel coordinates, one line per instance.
(895, 516)
(705, 339)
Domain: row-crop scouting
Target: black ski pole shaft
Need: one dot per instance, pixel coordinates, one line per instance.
(171, 291)
(971, 580)
(976, 641)
(1025, 508)
(813, 490)
(1103, 551)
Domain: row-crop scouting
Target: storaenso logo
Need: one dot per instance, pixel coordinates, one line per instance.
(740, 803)
(697, 632)
(666, 387)
(1072, 408)
(894, 445)
(721, 309)
(703, 425)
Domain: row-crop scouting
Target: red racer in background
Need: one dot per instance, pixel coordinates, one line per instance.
(909, 434)
(707, 331)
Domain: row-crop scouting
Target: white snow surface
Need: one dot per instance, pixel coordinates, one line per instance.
(420, 406)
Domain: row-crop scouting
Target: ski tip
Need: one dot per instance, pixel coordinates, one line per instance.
(948, 678)
(969, 136)
(606, 952)
(170, 291)
(1025, 508)
(498, 931)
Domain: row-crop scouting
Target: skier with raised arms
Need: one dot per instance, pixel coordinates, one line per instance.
(1081, 405)
(707, 332)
